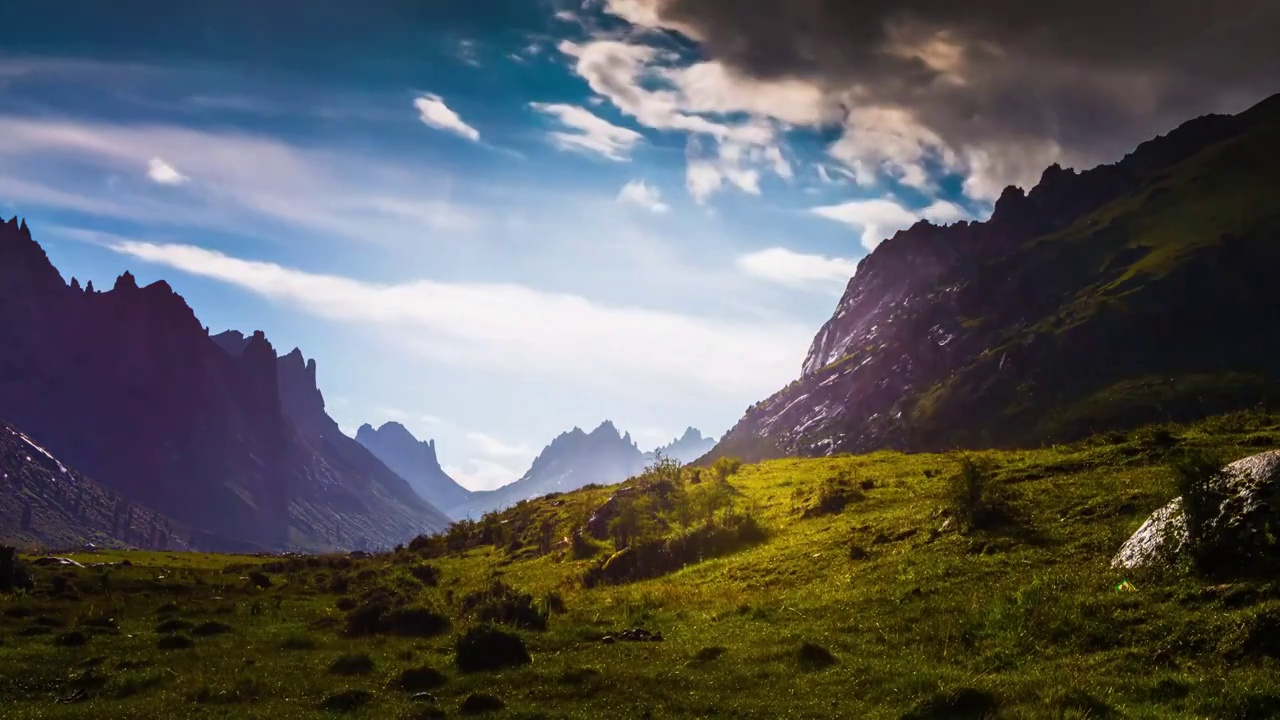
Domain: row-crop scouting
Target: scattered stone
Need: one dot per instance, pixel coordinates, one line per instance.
(56, 561)
(480, 703)
(608, 640)
(657, 637)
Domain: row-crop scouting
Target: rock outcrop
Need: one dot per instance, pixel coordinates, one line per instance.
(1241, 530)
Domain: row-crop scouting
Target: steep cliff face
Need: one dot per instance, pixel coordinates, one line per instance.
(127, 386)
(416, 462)
(1100, 299)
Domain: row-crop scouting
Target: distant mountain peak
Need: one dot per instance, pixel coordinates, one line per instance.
(415, 461)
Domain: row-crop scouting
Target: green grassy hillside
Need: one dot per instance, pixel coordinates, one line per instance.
(862, 597)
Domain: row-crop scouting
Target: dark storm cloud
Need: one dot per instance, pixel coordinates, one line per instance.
(1094, 76)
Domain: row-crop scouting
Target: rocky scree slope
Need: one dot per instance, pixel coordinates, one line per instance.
(1136, 292)
(46, 504)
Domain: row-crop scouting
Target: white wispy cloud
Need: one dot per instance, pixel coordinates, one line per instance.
(479, 474)
(516, 329)
(433, 112)
(246, 182)
(164, 173)
(787, 267)
(641, 194)
(879, 219)
(492, 447)
(588, 132)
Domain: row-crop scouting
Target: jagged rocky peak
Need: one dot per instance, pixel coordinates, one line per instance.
(392, 432)
(125, 282)
(415, 461)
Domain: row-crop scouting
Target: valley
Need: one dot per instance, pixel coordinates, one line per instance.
(883, 608)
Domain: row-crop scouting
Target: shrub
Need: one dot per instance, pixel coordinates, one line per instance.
(975, 497)
(480, 703)
(259, 580)
(954, 705)
(347, 700)
(175, 642)
(835, 494)
(500, 603)
(726, 467)
(420, 679)
(13, 572)
(352, 664)
(486, 648)
(428, 575)
(210, 628)
(414, 622)
(172, 626)
(75, 638)
(298, 642)
(658, 556)
(580, 547)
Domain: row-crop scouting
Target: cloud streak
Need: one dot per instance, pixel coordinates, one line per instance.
(800, 270)
(879, 219)
(435, 113)
(586, 132)
(516, 329)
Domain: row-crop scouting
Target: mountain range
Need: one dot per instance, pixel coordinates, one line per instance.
(577, 458)
(1136, 292)
(220, 435)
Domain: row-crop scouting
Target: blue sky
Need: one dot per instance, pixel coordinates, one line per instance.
(491, 221)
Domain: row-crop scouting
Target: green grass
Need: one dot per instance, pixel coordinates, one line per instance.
(1025, 618)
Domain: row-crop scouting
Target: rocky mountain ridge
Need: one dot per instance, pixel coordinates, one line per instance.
(604, 456)
(1096, 300)
(127, 386)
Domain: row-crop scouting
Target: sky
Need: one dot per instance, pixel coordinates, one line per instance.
(497, 220)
